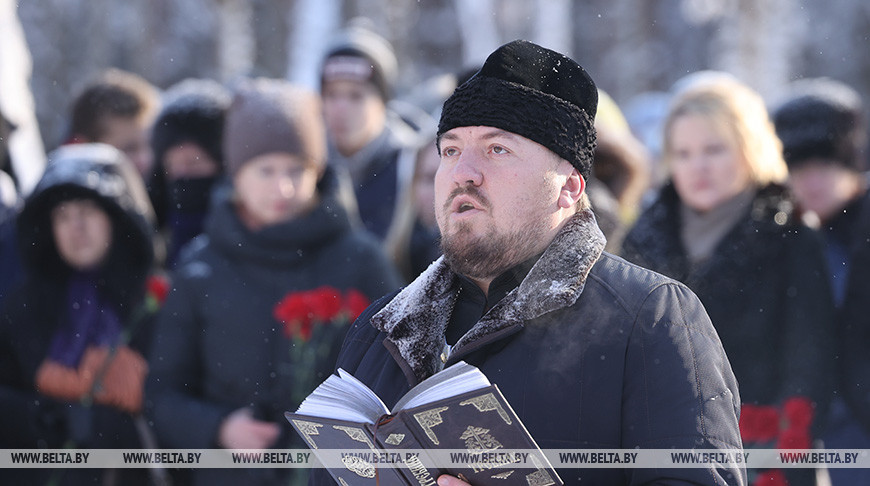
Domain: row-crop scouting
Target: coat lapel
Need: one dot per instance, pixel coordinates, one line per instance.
(415, 320)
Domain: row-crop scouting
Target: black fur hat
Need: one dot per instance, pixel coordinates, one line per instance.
(534, 92)
(822, 119)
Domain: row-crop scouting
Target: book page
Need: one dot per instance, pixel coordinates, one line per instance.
(343, 397)
(364, 394)
(455, 380)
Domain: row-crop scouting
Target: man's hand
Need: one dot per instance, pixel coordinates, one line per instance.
(448, 480)
(240, 430)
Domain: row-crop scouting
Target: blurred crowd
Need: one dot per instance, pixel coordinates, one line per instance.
(186, 268)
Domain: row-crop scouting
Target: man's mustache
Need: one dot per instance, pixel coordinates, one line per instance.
(469, 190)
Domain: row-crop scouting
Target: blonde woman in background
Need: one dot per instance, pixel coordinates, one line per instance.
(725, 226)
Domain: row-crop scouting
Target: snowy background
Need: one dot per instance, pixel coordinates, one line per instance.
(629, 46)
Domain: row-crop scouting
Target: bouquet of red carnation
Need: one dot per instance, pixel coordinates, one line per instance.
(784, 427)
(316, 321)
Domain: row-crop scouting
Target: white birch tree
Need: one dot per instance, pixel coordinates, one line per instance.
(16, 100)
(478, 29)
(757, 43)
(312, 23)
(235, 37)
(554, 25)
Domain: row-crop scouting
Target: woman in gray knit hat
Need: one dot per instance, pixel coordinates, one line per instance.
(260, 302)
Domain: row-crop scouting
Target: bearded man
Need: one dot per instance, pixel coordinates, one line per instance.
(591, 351)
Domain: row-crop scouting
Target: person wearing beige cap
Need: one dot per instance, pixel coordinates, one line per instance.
(230, 358)
(366, 136)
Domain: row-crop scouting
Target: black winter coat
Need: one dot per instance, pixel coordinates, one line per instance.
(590, 351)
(219, 347)
(855, 324)
(765, 289)
(767, 292)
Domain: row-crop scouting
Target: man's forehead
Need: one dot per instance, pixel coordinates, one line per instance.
(483, 132)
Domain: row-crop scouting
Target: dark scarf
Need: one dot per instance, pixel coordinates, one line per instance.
(88, 319)
(188, 207)
(283, 244)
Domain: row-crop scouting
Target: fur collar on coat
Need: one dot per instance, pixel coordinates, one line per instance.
(655, 243)
(415, 320)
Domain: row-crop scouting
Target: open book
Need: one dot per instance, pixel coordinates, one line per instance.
(454, 422)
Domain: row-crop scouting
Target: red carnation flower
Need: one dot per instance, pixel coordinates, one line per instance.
(799, 412)
(301, 311)
(356, 303)
(304, 329)
(293, 312)
(324, 303)
(758, 423)
(158, 287)
(772, 477)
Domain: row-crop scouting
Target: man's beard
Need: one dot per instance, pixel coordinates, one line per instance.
(493, 253)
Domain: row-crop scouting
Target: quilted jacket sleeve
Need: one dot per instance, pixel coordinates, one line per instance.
(680, 391)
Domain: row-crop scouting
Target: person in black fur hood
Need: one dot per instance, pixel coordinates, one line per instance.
(725, 226)
(824, 135)
(237, 343)
(73, 336)
(188, 159)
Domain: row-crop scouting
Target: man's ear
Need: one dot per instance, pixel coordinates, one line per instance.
(572, 190)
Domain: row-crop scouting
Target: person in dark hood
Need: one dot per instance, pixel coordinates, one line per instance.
(824, 137)
(188, 159)
(725, 226)
(74, 334)
(589, 350)
(237, 344)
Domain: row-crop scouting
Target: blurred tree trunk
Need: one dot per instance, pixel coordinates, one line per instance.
(634, 45)
(312, 23)
(185, 44)
(756, 43)
(554, 25)
(270, 31)
(235, 37)
(477, 28)
(16, 101)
